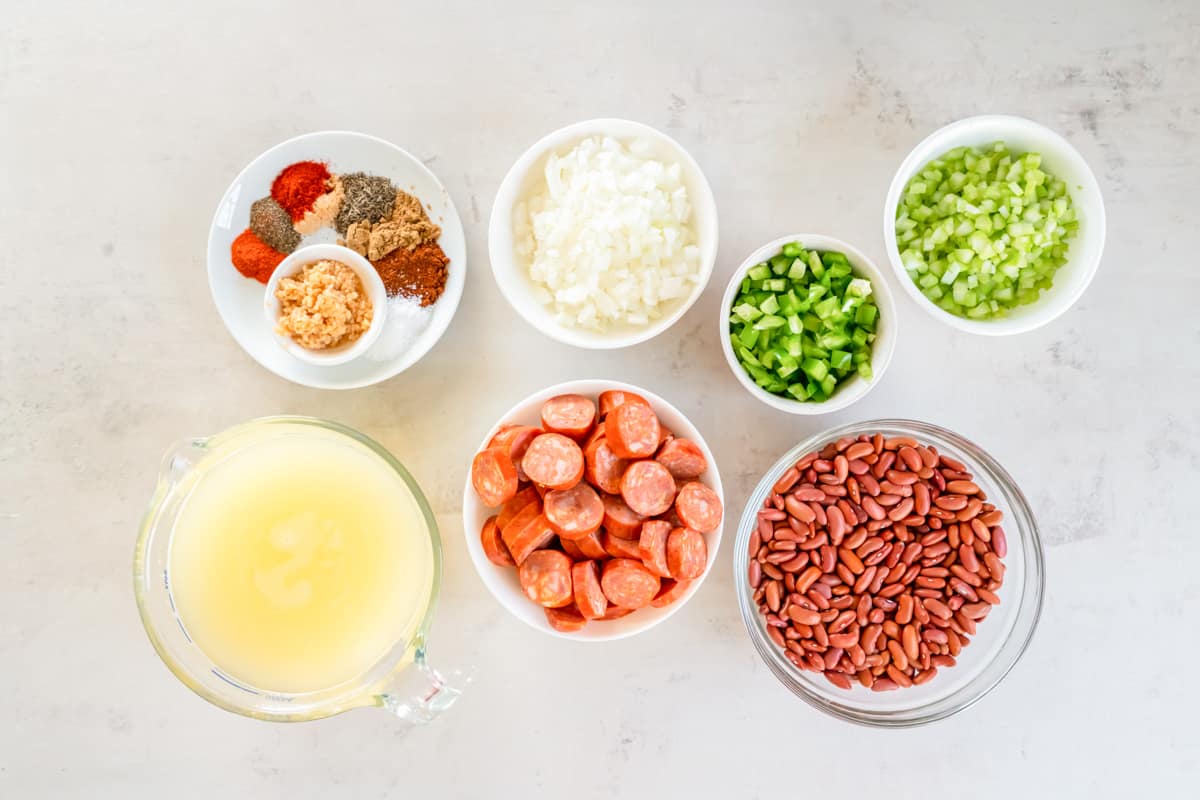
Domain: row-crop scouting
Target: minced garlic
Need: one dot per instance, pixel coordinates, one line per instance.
(323, 306)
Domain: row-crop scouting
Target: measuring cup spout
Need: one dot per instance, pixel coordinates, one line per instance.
(420, 695)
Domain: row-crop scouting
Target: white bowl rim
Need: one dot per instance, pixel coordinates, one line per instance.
(506, 198)
(879, 359)
(372, 285)
(452, 296)
(914, 160)
(632, 626)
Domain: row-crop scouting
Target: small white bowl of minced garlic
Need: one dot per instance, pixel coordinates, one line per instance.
(325, 304)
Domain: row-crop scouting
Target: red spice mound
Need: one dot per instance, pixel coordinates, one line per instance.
(253, 257)
(419, 273)
(299, 186)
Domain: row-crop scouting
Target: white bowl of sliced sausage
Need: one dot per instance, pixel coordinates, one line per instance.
(593, 510)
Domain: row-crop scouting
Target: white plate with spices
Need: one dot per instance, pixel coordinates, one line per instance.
(239, 299)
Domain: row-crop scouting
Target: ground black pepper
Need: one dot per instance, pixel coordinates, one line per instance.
(273, 225)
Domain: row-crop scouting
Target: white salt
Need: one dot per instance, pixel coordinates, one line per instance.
(406, 320)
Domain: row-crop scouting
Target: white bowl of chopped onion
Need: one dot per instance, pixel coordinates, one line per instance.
(1058, 159)
(603, 234)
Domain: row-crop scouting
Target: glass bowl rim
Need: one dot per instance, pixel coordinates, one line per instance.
(991, 672)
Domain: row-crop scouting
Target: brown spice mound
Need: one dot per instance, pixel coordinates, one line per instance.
(419, 273)
(406, 226)
(367, 198)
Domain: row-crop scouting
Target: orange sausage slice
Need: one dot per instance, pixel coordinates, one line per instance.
(493, 545)
(698, 507)
(627, 583)
(546, 578)
(687, 554)
(571, 415)
(647, 488)
(494, 476)
(574, 512)
(553, 461)
(632, 430)
(589, 597)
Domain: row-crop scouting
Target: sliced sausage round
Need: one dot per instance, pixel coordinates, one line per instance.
(683, 459)
(515, 440)
(589, 597)
(632, 430)
(590, 546)
(687, 554)
(627, 583)
(604, 467)
(566, 619)
(618, 397)
(670, 592)
(528, 536)
(494, 476)
(616, 612)
(574, 512)
(546, 578)
(647, 488)
(652, 546)
(665, 435)
(571, 415)
(518, 501)
(493, 546)
(617, 547)
(698, 507)
(619, 519)
(572, 550)
(553, 461)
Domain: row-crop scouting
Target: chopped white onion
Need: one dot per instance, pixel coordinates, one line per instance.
(607, 239)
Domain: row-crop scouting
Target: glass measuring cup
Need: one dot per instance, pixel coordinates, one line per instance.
(400, 681)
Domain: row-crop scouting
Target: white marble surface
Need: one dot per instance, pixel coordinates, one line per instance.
(120, 127)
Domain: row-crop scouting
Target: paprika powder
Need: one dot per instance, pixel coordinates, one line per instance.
(299, 185)
(253, 257)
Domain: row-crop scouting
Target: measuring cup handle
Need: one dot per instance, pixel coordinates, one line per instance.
(422, 694)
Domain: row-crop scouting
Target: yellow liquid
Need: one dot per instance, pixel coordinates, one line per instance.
(300, 560)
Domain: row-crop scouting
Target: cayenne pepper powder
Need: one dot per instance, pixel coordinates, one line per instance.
(253, 257)
(299, 185)
(419, 273)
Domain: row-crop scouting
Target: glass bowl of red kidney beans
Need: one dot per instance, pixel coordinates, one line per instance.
(889, 572)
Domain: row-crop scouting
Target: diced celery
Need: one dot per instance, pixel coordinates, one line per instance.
(990, 225)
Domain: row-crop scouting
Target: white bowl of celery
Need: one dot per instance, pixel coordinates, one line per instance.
(808, 324)
(994, 225)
